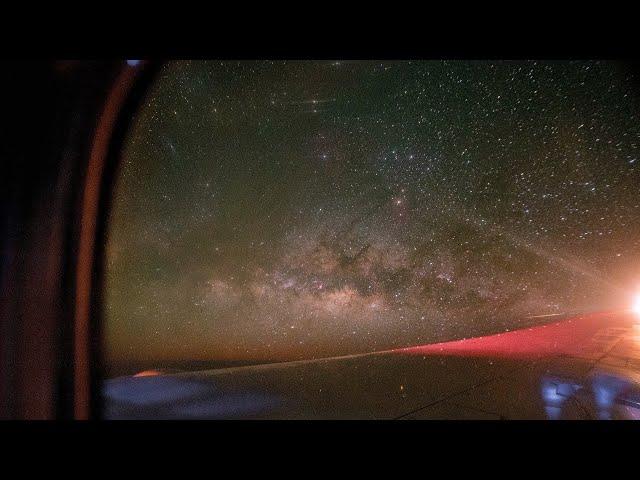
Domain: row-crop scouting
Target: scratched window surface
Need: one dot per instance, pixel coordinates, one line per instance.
(274, 211)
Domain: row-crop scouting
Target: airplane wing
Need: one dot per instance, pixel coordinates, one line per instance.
(583, 367)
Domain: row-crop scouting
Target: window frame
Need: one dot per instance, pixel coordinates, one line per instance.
(118, 112)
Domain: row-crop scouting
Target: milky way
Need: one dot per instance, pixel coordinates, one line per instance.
(281, 210)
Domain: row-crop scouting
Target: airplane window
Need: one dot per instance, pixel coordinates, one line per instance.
(370, 239)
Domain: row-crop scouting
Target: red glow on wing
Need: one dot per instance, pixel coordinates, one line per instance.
(570, 336)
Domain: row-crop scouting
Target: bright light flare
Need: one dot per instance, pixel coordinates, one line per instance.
(635, 306)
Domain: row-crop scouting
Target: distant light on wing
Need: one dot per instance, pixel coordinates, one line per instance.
(148, 373)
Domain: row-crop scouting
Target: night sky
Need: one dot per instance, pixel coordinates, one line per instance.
(284, 210)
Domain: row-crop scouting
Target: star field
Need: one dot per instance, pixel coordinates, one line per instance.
(284, 210)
